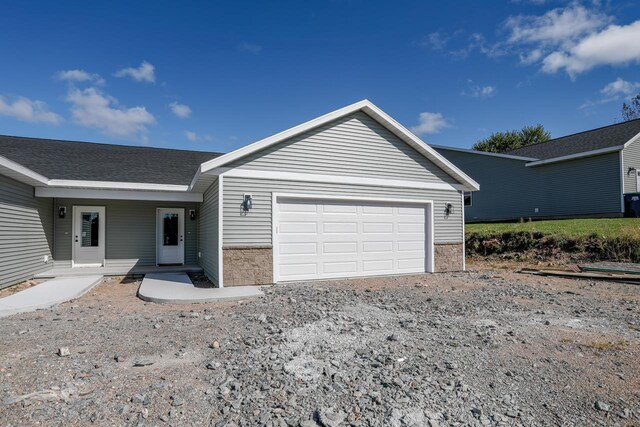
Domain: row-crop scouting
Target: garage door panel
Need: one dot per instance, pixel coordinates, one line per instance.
(410, 228)
(298, 207)
(340, 267)
(377, 266)
(339, 209)
(349, 239)
(377, 227)
(377, 210)
(298, 269)
(302, 248)
(298, 227)
(340, 248)
(379, 246)
(340, 227)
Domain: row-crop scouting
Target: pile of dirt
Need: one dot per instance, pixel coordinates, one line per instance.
(536, 246)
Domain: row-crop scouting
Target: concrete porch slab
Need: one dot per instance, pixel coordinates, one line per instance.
(176, 288)
(117, 271)
(47, 294)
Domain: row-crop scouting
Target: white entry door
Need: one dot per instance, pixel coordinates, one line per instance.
(170, 236)
(323, 239)
(88, 236)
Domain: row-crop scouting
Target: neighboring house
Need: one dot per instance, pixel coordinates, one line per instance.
(351, 193)
(580, 175)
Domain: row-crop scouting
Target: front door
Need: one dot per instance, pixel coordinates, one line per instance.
(88, 236)
(170, 236)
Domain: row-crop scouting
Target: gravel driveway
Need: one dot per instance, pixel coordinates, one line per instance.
(479, 348)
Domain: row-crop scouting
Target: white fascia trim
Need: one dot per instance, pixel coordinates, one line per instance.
(622, 181)
(85, 193)
(576, 156)
(483, 153)
(338, 179)
(632, 140)
(73, 183)
(370, 109)
(220, 232)
(30, 176)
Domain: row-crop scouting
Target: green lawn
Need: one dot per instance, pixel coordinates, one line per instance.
(611, 227)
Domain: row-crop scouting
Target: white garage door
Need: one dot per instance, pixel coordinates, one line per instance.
(322, 239)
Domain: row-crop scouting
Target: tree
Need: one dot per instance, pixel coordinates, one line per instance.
(631, 110)
(501, 142)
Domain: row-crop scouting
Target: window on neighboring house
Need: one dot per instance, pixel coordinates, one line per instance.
(468, 198)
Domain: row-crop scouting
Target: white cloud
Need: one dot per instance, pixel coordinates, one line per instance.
(79, 76)
(435, 41)
(615, 45)
(429, 123)
(94, 109)
(191, 136)
(250, 47)
(573, 39)
(29, 111)
(556, 27)
(476, 91)
(620, 87)
(181, 110)
(144, 73)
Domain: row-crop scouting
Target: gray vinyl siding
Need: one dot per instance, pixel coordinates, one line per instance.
(631, 159)
(355, 145)
(254, 228)
(208, 232)
(510, 190)
(130, 231)
(26, 232)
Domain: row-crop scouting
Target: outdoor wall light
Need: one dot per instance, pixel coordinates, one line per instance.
(448, 209)
(192, 214)
(247, 202)
(631, 170)
(62, 211)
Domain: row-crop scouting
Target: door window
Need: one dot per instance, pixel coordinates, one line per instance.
(170, 229)
(90, 226)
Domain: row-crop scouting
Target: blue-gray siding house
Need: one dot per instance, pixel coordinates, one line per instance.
(580, 175)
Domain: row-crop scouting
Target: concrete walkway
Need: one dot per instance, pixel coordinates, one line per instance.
(176, 288)
(47, 294)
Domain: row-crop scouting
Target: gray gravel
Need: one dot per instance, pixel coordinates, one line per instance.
(477, 348)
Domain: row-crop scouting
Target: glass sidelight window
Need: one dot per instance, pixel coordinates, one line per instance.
(90, 227)
(170, 229)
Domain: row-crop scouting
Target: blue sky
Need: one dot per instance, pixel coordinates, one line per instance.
(218, 75)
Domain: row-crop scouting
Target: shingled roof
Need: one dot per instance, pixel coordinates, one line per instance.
(92, 161)
(595, 139)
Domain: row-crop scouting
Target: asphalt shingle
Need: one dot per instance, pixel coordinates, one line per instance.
(91, 161)
(604, 137)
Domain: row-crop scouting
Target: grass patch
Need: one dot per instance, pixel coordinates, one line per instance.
(611, 239)
(571, 228)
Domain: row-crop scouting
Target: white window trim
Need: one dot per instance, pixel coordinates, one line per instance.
(429, 234)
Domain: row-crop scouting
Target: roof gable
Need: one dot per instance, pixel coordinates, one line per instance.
(608, 137)
(366, 107)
